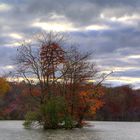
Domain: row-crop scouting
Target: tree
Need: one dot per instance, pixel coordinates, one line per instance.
(77, 72)
(58, 76)
(4, 86)
(40, 64)
(121, 104)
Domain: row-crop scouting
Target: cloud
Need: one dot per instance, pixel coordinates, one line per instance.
(4, 7)
(110, 28)
(6, 56)
(52, 26)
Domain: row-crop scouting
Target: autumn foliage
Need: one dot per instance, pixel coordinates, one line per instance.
(118, 104)
(57, 79)
(4, 86)
(121, 104)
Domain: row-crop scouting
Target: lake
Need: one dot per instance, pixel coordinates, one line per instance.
(13, 130)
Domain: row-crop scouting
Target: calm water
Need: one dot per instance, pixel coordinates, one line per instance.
(13, 130)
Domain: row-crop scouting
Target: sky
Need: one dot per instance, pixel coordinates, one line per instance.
(111, 28)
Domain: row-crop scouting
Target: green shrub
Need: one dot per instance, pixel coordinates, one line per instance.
(52, 114)
(68, 122)
(30, 119)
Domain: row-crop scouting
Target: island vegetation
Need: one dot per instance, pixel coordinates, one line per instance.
(57, 80)
(60, 87)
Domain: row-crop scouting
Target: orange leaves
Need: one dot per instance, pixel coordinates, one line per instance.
(51, 55)
(97, 104)
(84, 94)
(90, 99)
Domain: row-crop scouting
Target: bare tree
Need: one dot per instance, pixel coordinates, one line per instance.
(39, 61)
(57, 70)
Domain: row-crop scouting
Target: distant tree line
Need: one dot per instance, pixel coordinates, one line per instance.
(120, 104)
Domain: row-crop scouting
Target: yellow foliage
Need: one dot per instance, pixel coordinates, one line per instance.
(4, 87)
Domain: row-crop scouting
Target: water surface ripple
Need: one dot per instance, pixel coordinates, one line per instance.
(13, 130)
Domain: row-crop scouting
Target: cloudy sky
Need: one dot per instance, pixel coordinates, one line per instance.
(109, 27)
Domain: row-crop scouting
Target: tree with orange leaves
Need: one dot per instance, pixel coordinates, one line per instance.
(58, 80)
